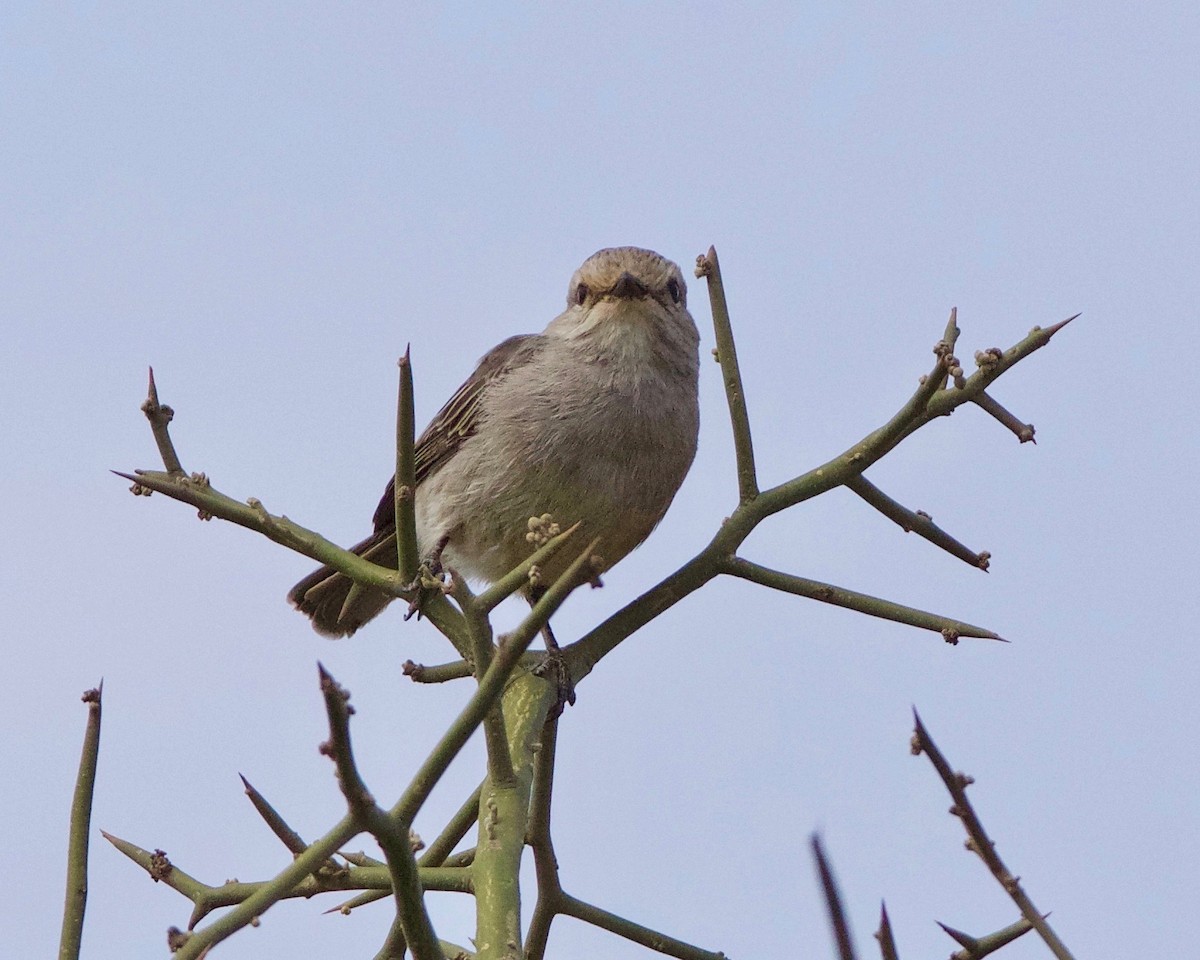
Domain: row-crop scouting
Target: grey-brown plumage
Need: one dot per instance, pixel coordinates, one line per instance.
(593, 420)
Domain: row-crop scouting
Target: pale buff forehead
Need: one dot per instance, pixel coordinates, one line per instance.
(602, 269)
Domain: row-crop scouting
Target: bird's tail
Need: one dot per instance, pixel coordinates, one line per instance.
(326, 596)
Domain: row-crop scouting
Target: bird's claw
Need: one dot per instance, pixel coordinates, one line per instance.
(553, 669)
(428, 579)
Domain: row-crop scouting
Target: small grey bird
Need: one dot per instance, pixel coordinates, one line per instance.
(593, 421)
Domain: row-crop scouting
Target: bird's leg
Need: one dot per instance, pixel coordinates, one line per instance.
(553, 667)
(431, 566)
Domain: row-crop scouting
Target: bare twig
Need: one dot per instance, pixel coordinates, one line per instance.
(206, 898)
(887, 942)
(392, 837)
(979, 841)
(405, 483)
(439, 673)
(635, 932)
(160, 417)
(950, 630)
(947, 344)
(708, 267)
(75, 902)
(833, 902)
(518, 577)
(199, 492)
(914, 521)
(1022, 431)
(976, 948)
(287, 836)
(479, 632)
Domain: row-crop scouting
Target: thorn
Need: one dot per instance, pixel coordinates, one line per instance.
(1051, 331)
(966, 941)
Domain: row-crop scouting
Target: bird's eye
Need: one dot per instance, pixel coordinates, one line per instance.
(673, 289)
(581, 293)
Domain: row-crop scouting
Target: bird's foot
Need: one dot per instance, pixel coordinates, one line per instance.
(554, 669)
(430, 579)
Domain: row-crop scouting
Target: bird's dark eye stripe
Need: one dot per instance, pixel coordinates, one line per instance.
(673, 289)
(581, 293)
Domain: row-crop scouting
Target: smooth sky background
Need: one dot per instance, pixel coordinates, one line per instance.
(267, 202)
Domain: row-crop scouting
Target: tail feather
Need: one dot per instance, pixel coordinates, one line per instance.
(322, 595)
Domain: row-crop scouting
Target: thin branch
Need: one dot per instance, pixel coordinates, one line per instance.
(439, 673)
(464, 858)
(160, 417)
(374, 879)
(199, 492)
(393, 838)
(708, 267)
(450, 837)
(278, 826)
(394, 944)
(1022, 431)
(635, 932)
(161, 870)
(887, 942)
(283, 831)
(950, 630)
(914, 521)
(518, 577)
(75, 901)
(947, 344)
(976, 948)
(583, 655)
(338, 747)
(406, 884)
(405, 483)
(479, 632)
(979, 841)
(833, 902)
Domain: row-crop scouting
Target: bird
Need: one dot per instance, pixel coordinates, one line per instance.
(592, 421)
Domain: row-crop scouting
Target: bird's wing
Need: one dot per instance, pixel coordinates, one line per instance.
(459, 418)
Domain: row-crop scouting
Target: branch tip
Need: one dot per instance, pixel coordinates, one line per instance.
(1052, 330)
(833, 900)
(887, 941)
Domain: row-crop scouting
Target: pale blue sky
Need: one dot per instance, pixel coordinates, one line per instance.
(269, 201)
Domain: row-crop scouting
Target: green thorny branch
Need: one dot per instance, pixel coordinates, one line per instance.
(512, 806)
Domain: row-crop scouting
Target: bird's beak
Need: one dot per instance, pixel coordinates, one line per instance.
(628, 287)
